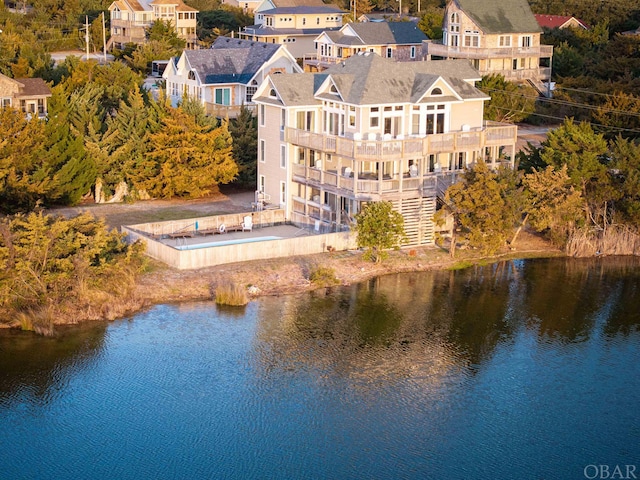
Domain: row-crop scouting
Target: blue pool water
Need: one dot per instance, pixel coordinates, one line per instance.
(226, 242)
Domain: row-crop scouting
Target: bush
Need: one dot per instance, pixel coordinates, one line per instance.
(323, 276)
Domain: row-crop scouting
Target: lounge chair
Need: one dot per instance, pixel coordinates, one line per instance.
(247, 223)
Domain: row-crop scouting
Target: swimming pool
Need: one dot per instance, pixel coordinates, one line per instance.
(196, 246)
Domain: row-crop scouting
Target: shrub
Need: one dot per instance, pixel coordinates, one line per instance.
(323, 276)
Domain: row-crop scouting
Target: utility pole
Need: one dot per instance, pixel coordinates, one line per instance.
(104, 41)
(86, 35)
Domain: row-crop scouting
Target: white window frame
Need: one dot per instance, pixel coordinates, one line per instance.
(283, 156)
(413, 52)
(526, 41)
(283, 193)
(222, 91)
(262, 115)
(263, 148)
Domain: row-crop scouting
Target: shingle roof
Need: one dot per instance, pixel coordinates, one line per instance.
(297, 3)
(308, 10)
(385, 33)
(296, 89)
(501, 16)
(371, 80)
(34, 87)
(556, 21)
(230, 60)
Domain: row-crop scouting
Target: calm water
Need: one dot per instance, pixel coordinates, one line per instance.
(524, 370)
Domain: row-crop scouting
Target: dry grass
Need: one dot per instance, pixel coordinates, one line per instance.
(617, 240)
(231, 294)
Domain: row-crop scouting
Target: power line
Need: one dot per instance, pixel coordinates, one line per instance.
(562, 119)
(568, 103)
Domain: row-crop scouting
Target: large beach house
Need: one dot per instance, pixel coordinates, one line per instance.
(371, 129)
(131, 18)
(293, 23)
(498, 37)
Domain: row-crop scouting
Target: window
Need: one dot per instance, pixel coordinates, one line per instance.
(283, 193)
(6, 102)
(41, 106)
(389, 52)
(304, 21)
(251, 91)
(262, 151)
(413, 52)
(505, 41)
(283, 156)
(261, 183)
(191, 75)
(283, 118)
(525, 42)
(223, 96)
(352, 116)
(23, 105)
(272, 93)
(262, 112)
(374, 117)
(455, 18)
(436, 91)
(471, 39)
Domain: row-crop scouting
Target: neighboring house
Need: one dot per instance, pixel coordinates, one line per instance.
(293, 23)
(131, 18)
(248, 6)
(498, 37)
(559, 21)
(225, 77)
(398, 40)
(631, 32)
(372, 129)
(27, 94)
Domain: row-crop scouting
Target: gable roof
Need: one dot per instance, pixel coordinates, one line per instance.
(34, 87)
(558, 21)
(382, 33)
(501, 16)
(230, 60)
(366, 80)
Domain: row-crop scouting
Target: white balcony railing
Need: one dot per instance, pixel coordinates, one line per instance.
(405, 148)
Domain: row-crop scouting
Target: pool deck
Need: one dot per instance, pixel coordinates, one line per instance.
(280, 231)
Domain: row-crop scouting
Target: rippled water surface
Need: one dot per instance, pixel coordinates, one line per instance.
(525, 370)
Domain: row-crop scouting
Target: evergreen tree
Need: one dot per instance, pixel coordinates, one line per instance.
(625, 167)
(480, 209)
(244, 131)
(553, 204)
(509, 102)
(583, 152)
(187, 159)
(21, 185)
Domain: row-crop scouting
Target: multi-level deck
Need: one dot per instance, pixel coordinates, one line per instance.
(392, 169)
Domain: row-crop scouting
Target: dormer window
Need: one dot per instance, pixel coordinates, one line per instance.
(272, 93)
(436, 91)
(191, 75)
